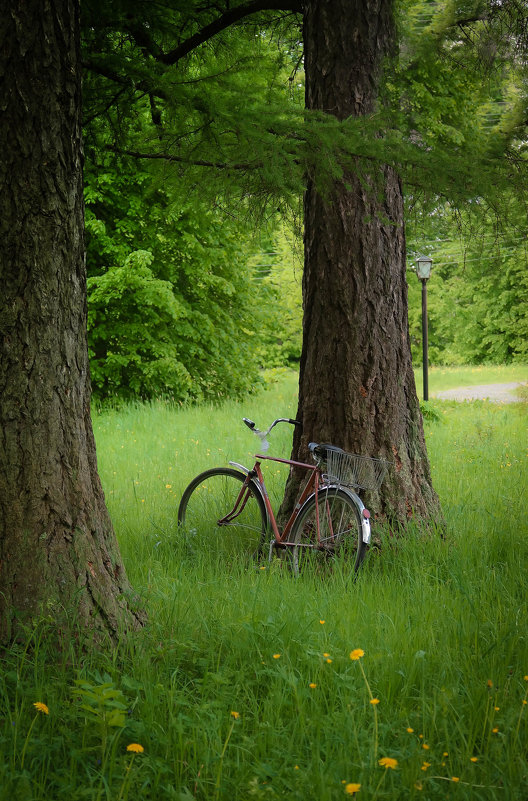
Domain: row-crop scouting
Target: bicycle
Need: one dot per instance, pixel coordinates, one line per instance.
(328, 518)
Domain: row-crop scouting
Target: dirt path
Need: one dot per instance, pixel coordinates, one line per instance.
(496, 393)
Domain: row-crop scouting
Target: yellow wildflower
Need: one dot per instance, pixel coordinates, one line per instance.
(41, 707)
(136, 748)
(388, 762)
(410, 731)
(356, 654)
(374, 701)
(351, 788)
(426, 765)
(455, 779)
(312, 685)
(276, 656)
(235, 715)
(473, 759)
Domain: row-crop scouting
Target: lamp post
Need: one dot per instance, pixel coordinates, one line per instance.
(423, 271)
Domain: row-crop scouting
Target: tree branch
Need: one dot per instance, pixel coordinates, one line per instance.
(218, 165)
(225, 20)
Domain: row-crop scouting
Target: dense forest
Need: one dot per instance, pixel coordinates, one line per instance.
(194, 272)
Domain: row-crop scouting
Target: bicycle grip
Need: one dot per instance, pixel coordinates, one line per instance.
(250, 424)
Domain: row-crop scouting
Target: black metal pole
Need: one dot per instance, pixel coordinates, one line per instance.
(425, 341)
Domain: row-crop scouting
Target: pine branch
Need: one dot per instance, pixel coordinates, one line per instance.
(217, 165)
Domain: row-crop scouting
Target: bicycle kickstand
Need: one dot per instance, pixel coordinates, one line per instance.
(271, 547)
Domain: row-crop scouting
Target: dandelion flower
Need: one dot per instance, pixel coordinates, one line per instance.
(445, 753)
(425, 747)
(322, 622)
(409, 730)
(40, 707)
(136, 748)
(329, 662)
(352, 787)
(276, 656)
(312, 685)
(473, 759)
(526, 678)
(326, 655)
(489, 683)
(235, 715)
(495, 730)
(496, 708)
(296, 767)
(426, 765)
(388, 762)
(374, 701)
(455, 779)
(356, 654)
(525, 702)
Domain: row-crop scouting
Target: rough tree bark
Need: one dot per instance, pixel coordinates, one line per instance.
(356, 385)
(58, 552)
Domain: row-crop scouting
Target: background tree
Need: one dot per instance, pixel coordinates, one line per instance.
(173, 306)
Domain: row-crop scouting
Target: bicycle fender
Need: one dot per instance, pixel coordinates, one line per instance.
(364, 514)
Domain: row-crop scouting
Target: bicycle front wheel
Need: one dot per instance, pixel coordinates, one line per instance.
(339, 531)
(218, 513)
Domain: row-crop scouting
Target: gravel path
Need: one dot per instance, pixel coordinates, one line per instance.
(496, 393)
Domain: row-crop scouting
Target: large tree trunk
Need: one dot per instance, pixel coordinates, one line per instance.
(356, 385)
(58, 553)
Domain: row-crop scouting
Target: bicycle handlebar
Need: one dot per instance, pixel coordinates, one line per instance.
(263, 434)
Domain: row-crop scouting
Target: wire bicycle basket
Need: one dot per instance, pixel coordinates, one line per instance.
(350, 469)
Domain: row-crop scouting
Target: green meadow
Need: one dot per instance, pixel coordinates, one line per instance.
(410, 682)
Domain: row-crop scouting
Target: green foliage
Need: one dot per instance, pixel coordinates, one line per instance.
(172, 307)
(222, 127)
(477, 293)
(279, 270)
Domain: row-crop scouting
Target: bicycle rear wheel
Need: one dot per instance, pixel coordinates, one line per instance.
(339, 531)
(209, 499)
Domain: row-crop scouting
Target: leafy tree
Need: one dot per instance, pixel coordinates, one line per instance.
(172, 307)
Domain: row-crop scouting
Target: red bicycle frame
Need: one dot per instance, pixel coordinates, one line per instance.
(312, 486)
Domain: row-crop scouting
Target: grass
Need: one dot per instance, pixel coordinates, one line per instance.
(242, 685)
(442, 378)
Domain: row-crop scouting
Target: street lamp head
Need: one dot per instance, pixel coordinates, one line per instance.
(423, 267)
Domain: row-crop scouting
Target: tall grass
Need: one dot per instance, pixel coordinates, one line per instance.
(242, 685)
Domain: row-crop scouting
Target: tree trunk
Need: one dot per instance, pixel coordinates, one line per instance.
(58, 553)
(356, 385)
